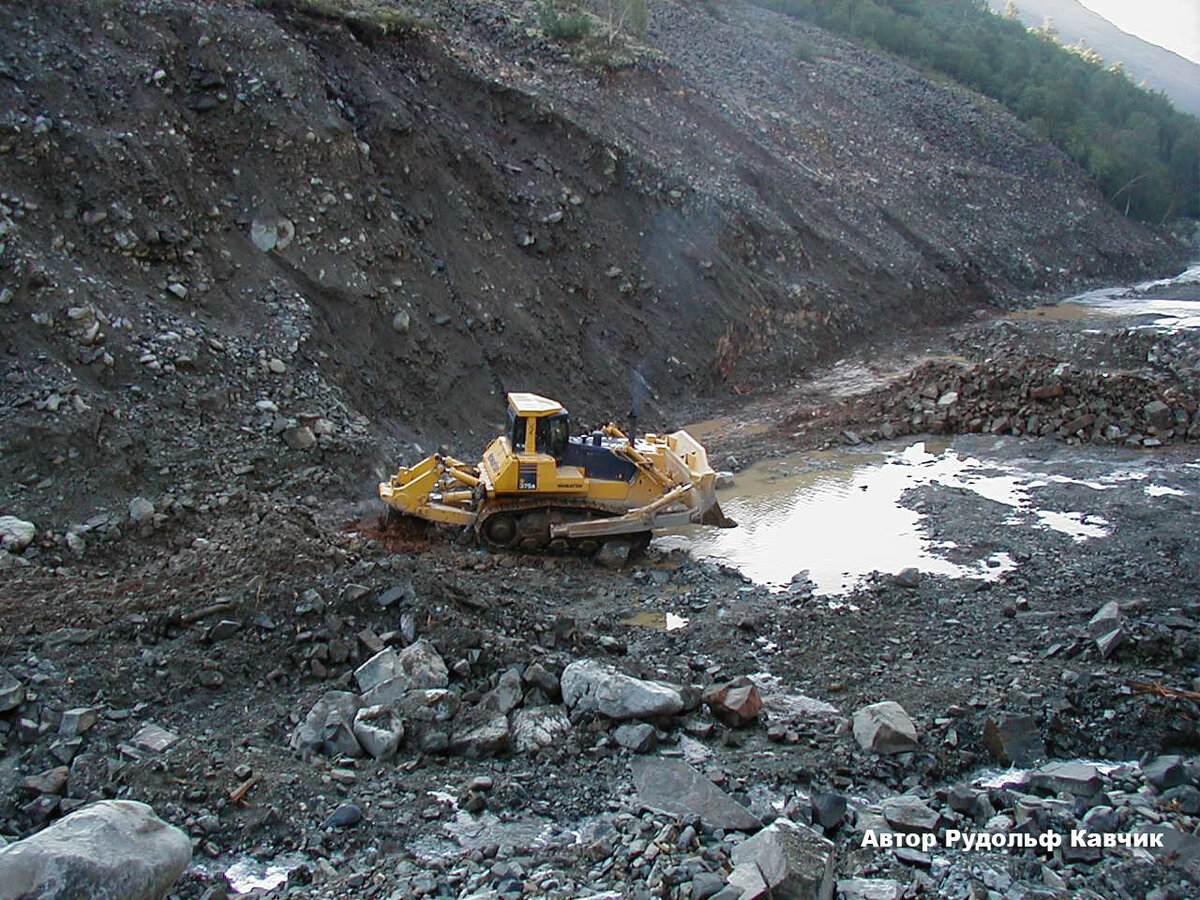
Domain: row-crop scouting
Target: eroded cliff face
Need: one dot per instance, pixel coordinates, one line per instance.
(239, 239)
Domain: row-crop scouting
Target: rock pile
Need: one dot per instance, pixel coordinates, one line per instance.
(1035, 396)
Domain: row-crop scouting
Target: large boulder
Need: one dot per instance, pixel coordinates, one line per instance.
(388, 675)
(538, 727)
(885, 728)
(785, 861)
(591, 686)
(110, 850)
(674, 787)
(16, 534)
(329, 726)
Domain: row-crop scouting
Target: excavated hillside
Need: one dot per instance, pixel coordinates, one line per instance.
(240, 239)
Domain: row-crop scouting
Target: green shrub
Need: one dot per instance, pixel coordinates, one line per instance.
(565, 25)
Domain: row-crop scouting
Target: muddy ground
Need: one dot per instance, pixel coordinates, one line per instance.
(299, 591)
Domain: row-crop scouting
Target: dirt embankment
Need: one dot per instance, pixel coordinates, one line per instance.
(222, 224)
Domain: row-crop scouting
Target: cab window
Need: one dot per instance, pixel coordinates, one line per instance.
(516, 431)
(552, 434)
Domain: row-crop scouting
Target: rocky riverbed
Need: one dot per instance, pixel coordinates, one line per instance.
(328, 710)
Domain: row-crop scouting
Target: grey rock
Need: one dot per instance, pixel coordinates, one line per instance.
(52, 781)
(909, 814)
(1159, 415)
(908, 578)
(1076, 778)
(379, 731)
(539, 677)
(329, 726)
(674, 787)
(141, 509)
(154, 738)
(481, 734)
(16, 534)
(1015, 740)
(591, 686)
(506, 695)
(1107, 628)
(885, 728)
(613, 554)
(401, 322)
(77, 721)
(639, 738)
(12, 691)
(541, 726)
(706, 884)
(1165, 772)
(344, 816)
(110, 849)
(388, 675)
(869, 889)
(828, 809)
(785, 861)
(1179, 848)
(299, 437)
(272, 233)
(1186, 797)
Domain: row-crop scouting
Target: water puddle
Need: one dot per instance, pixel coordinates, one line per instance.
(1178, 311)
(834, 517)
(246, 874)
(660, 621)
(467, 831)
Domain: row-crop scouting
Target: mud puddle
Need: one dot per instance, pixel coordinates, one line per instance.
(832, 518)
(1170, 303)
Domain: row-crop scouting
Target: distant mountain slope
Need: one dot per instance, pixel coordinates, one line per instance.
(1161, 69)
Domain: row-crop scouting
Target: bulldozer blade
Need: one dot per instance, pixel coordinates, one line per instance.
(714, 516)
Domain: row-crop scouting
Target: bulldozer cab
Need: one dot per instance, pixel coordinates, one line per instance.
(537, 425)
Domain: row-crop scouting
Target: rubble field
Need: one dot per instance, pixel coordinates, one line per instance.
(397, 713)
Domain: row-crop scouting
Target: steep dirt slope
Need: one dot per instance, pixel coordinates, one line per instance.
(241, 241)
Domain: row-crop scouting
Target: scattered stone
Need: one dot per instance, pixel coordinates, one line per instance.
(639, 738)
(481, 734)
(674, 787)
(591, 686)
(141, 510)
(1165, 772)
(52, 781)
(1076, 778)
(113, 848)
(613, 554)
(909, 814)
(869, 889)
(1015, 740)
(344, 816)
(507, 694)
(12, 691)
(153, 738)
(299, 437)
(329, 726)
(379, 730)
(1107, 628)
(783, 861)
(75, 722)
(388, 675)
(16, 534)
(885, 728)
(541, 726)
(735, 703)
(908, 578)
(401, 322)
(828, 809)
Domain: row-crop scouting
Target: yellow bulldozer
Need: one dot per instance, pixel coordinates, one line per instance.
(540, 487)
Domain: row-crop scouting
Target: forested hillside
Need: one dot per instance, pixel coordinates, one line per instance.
(1142, 151)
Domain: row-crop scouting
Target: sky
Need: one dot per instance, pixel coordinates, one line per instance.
(1174, 24)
